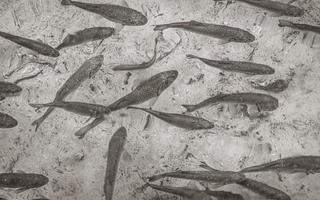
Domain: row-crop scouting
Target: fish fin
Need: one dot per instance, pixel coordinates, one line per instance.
(192, 56)
(38, 106)
(223, 41)
(274, 14)
(218, 185)
(160, 27)
(285, 23)
(117, 28)
(154, 178)
(153, 101)
(84, 130)
(66, 2)
(88, 119)
(21, 172)
(137, 82)
(258, 107)
(2, 97)
(148, 121)
(190, 108)
(20, 190)
(195, 23)
(204, 165)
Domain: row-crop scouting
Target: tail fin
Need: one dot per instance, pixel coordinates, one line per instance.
(190, 108)
(66, 2)
(285, 23)
(192, 56)
(160, 27)
(35, 105)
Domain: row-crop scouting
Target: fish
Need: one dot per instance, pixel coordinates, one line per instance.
(34, 45)
(281, 9)
(278, 85)
(223, 195)
(8, 89)
(295, 164)
(225, 33)
(81, 108)
(264, 189)
(184, 192)
(22, 181)
(264, 102)
(302, 27)
(6, 121)
(144, 65)
(87, 70)
(86, 35)
(237, 66)
(179, 120)
(221, 177)
(115, 149)
(115, 13)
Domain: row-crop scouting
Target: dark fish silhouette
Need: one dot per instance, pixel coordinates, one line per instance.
(6, 121)
(264, 190)
(22, 181)
(115, 149)
(37, 46)
(223, 195)
(275, 86)
(225, 33)
(8, 89)
(114, 13)
(276, 7)
(237, 66)
(179, 120)
(144, 65)
(302, 27)
(297, 164)
(264, 102)
(87, 70)
(86, 35)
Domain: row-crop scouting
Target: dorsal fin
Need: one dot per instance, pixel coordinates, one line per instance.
(195, 23)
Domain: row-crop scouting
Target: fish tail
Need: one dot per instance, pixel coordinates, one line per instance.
(66, 2)
(160, 27)
(38, 105)
(191, 56)
(285, 23)
(132, 107)
(154, 178)
(190, 108)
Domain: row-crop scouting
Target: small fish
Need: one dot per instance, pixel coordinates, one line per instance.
(225, 33)
(221, 177)
(86, 35)
(278, 85)
(296, 164)
(281, 9)
(302, 27)
(264, 190)
(37, 46)
(223, 195)
(184, 192)
(88, 69)
(115, 13)
(8, 89)
(143, 65)
(264, 102)
(179, 120)
(6, 121)
(237, 66)
(146, 90)
(22, 181)
(85, 109)
(115, 149)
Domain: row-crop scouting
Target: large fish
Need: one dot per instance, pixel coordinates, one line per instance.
(264, 102)
(8, 89)
(34, 45)
(179, 120)
(297, 164)
(115, 149)
(302, 27)
(225, 33)
(114, 13)
(6, 121)
(87, 70)
(237, 66)
(22, 181)
(86, 35)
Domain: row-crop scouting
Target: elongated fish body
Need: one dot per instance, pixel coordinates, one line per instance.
(115, 149)
(34, 45)
(237, 66)
(225, 177)
(264, 190)
(86, 109)
(88, 69)
(275, 86)
(22, 181)
(223, 195)
(276, 7)
(226, 33)
(179, 120)
(6, 121)
(302, 27)
(263, 101)
(182, 191)
(8, 89)
(308, 164)
(86, 35)
(114, 13)
(146, 90)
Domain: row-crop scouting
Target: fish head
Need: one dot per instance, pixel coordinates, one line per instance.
(8, 88)
(54, 53)
(108, 31)
(205, 124)
(40, 180)
(95, 64)
(165, 79)
(269, 105)
(294, 11)
(137, 19)
(7, 121)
